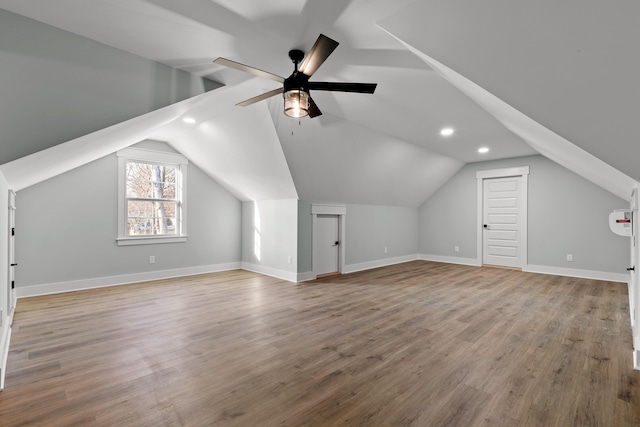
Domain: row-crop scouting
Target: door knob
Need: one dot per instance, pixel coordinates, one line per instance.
(336, 243)
(487, 226)
(631, 268)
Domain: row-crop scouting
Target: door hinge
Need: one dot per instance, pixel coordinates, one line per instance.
(13, 231)
(13, 284)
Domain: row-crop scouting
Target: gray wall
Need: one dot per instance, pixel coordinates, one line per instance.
(305, 237)
(57, 86)
(67, 228)
(369, 228)
(270, 233)
(567, 214)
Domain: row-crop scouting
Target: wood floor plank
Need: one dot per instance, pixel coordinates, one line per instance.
(420, 343)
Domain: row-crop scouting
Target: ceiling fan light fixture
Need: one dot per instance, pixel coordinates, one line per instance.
(295, 88)
(296, 103)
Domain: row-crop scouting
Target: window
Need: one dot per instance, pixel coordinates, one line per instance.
(152, 200)
(151, 197)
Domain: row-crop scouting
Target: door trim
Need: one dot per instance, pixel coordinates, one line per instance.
(522, 171)
(327, 209)
(11, 292)
(634, 285)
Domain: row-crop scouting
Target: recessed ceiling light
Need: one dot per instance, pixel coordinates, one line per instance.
(446, 131)
(189, 120)
(483, 150)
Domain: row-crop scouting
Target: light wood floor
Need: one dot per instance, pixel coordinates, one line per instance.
(421, 344)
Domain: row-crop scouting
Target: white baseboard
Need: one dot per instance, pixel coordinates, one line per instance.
(304, 277)
(76, 285)
(542, 269)
(575, 272)
(352, 268)
(100, 282)
(4, 351)
(270, 271)
(449, 259)
(636, 360)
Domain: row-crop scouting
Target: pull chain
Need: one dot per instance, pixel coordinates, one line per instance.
(299, 124)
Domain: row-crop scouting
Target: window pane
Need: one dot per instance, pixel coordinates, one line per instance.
(168, 190)
(138, 189)
(139, 209)
(151, 218)
(139, 227)
(149, 181)
(138, 180)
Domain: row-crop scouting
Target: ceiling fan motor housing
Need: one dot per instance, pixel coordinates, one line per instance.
(297, 80)
(296, 56)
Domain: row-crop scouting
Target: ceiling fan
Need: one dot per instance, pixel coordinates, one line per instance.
(295, 88)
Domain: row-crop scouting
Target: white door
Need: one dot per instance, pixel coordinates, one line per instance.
(633, 269)
(12, 258)
(502, 222)
(327, 246)
(633, 276)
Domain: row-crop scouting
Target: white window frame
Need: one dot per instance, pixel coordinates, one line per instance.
(151, 156)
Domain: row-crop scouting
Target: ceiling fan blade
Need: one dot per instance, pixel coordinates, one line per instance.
(260, 97)
(314, 111)
(344, 87)
(322, 48)
(247, 69)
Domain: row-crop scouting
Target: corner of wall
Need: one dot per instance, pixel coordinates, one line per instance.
(5, 316)
(4, 353)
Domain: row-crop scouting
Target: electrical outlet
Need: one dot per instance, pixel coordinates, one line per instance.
(152, 259)
(289, 259)
(386, 249)
(570, 257)
(456, 249)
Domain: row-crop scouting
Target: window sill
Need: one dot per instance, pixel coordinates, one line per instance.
(149, 240)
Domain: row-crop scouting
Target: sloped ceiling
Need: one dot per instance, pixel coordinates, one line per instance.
(568, 68)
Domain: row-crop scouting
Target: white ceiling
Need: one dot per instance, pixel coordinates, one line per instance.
(569, 67)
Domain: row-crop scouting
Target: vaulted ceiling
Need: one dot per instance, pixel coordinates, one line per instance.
(556, 78)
